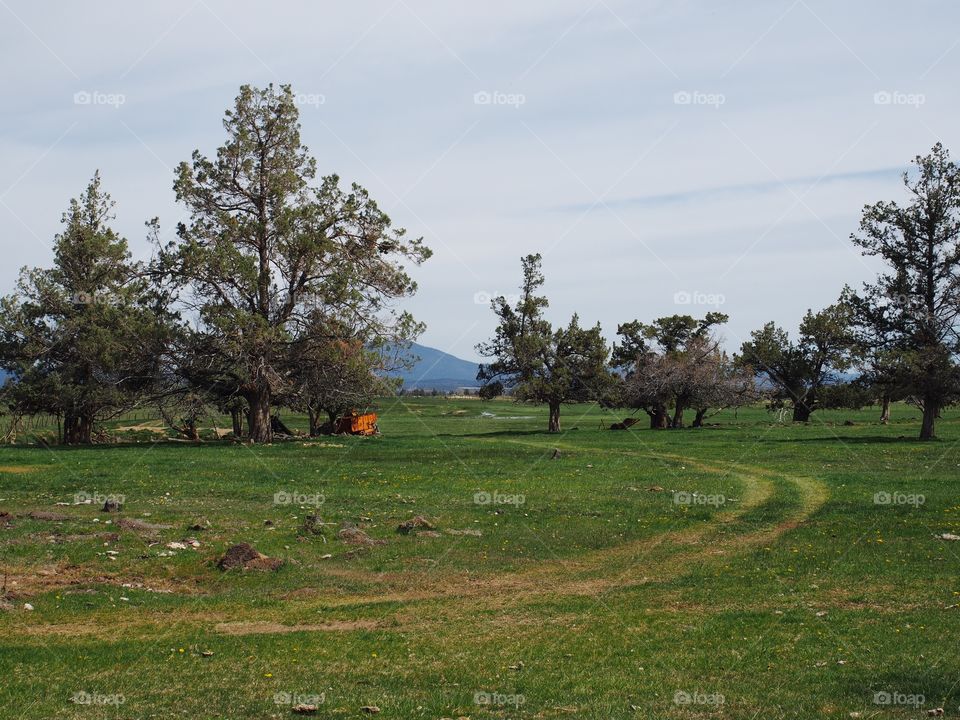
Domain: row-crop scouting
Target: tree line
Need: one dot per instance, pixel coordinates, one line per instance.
(897, 336)
(278, 290)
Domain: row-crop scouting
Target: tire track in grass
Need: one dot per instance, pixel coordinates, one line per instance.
(657, 559)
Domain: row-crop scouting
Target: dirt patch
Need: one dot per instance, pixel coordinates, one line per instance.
(272, 628)
(141, 525)
(20, 469)
(141, 428)
(352, 535)
(48, 516)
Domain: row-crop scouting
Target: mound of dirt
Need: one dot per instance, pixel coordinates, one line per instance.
(246, 557)
(350, 534)
(415, 524)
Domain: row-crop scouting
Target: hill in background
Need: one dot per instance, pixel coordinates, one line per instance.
(437, 370)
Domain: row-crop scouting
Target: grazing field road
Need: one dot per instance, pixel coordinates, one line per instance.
(466, 563)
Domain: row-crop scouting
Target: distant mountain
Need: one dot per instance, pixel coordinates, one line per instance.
(437, 370)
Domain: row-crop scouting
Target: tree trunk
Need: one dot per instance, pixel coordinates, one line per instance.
(554, 417)
(677, 421)
(930, 410)
(658, 418)
(314, 421)
(77, 430)
(259, 422)
(698, 420)
(237, 418)
(801, 413)
(885, 411)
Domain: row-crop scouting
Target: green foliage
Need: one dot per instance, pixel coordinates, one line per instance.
(797, 371)
(83, 339)
(537, 363)
(908, 321)
(267, 249)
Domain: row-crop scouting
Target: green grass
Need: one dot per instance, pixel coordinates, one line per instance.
(788, 590)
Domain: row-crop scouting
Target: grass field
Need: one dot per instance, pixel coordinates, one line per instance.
(745, 570)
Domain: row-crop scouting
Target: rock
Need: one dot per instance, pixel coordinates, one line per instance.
(655, 488)
(28, 607)
(206, 653)
(414, 524)
(370, 709)
(948, 536)
(556, 454)
(313, 525)
(304, 709)
(244, 556)
(177, 545)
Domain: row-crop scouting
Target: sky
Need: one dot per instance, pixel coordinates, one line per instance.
(666, 157)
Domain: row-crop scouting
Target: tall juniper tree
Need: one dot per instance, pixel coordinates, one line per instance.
(910, 317)
(266, 248)
(538, 363)
(83, 339)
